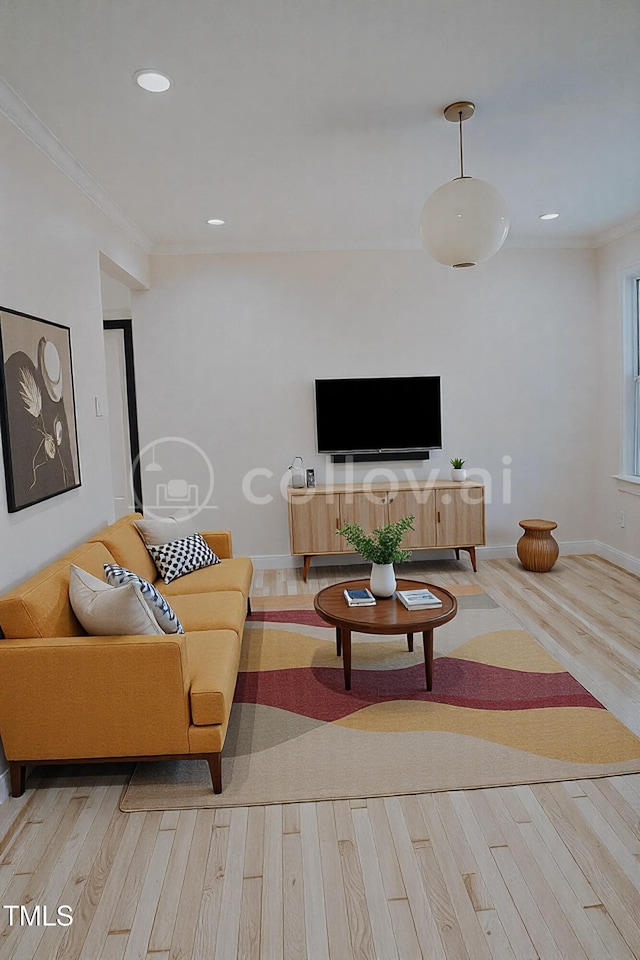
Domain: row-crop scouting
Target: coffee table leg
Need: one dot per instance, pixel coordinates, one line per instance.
(338, 641)
(410, 642)
(427, 640)
(346, 657)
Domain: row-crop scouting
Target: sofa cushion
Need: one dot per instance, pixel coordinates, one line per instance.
(223, 609)
(156, 532)
(106, 611)
(117, 576)
(127, 548)
(179, 557)
(213, 659)
(227, 575)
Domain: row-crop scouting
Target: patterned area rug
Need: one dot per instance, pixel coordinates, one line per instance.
(502, 711)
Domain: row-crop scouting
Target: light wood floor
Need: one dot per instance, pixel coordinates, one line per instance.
(540, 872)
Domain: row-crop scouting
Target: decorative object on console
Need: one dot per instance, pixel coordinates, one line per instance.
(162, 610)
(536, 548)
(297, 472)
(37, 409)
(458, 473)
(466, 220)
(311, 477)
(179, 557)
(382, 549)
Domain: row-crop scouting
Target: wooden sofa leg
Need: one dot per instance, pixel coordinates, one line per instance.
(215, 769)
(17, 773)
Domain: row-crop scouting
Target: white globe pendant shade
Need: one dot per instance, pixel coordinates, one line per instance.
(464, 222)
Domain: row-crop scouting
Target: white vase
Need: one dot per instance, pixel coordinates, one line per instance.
(383, 580)
(458, 474)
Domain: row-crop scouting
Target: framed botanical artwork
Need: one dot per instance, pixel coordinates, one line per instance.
(37, 409)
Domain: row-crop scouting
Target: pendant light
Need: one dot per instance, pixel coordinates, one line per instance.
(465, 221)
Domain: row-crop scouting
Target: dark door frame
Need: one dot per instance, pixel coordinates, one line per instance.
(132, 406)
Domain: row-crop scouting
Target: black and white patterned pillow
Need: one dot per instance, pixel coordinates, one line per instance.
(162, 610)
(179, 557)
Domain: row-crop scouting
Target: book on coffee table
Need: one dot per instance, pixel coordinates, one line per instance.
(360, 598)
(418, 599)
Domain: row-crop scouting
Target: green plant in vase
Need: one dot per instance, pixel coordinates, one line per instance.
(458, 472)
(382, 549)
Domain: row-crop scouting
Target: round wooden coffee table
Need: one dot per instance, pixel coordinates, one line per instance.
(388, 616)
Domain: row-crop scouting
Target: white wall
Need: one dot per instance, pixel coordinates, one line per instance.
(50, 238)
(228, 347)
(623, 544)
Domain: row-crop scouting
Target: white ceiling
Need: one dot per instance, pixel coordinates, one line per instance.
(317, 124)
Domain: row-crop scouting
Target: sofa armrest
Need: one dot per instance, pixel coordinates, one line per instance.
(67, 697)
(220, 543)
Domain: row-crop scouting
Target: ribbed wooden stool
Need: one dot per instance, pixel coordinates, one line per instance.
(537, 550)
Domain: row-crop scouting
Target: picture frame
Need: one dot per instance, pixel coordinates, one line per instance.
(37, 409)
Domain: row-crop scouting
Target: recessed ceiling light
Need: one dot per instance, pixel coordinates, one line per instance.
(549, 216)
(152, 80)
(215, 223)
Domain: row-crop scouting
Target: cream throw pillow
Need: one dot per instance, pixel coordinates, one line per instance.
(106, 611)
(156, 532)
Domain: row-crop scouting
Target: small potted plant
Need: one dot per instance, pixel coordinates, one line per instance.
(382, 549)
(458, 473)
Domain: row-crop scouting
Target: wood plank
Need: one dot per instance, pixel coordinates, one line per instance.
(498, 890)
(250, 919)
(534, 898)
(294, 932)
(124, 912)
(356, 901)
(333, 883)
(147, 901)
(462, 853)
(426, 928)
(386, 851)
(614, 888)
(557, 848)
(231, 900)
(380, 918)
(165, 918)
(466, 917)
(272, 913)
(192, 898)
(102, 888)
(315, 922)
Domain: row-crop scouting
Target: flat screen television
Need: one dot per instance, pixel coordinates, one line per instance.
(378, 418)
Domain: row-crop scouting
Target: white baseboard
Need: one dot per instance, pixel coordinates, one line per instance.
(499, 552)
(5, 791)
(624, 560)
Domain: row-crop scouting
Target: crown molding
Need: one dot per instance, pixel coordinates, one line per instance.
(619, 230)
(16, 110)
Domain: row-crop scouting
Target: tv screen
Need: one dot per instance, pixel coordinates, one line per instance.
(378, 415)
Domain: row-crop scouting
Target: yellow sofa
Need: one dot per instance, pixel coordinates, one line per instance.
(67, 697)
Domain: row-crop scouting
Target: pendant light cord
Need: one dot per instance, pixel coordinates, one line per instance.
(460, 138)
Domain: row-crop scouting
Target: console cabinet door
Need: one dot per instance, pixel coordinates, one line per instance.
(420, 504)
(460, 516)
(314, 522)
(370, 511)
